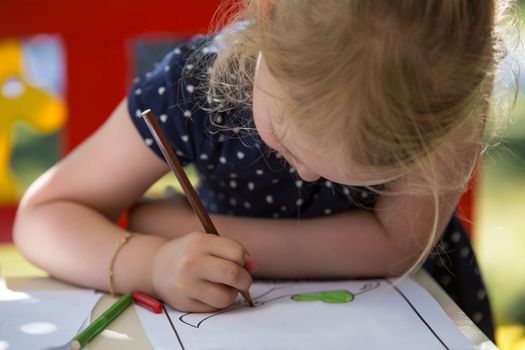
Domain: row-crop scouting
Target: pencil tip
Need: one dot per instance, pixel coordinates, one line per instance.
(248, 298)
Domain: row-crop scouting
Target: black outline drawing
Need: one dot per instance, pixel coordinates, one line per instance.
(368, 286)
(361, 291)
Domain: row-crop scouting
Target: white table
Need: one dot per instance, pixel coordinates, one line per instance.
(128, 323)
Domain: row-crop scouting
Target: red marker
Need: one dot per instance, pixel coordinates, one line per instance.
(148, 302)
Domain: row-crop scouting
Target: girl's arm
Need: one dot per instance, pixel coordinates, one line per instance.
(66, 220)
(355, 243)
(66, 225)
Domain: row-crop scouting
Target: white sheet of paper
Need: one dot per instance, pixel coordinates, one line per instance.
(381, 316)
(41, 319)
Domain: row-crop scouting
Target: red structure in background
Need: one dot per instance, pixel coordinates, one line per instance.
(94, 34)
(466, 207)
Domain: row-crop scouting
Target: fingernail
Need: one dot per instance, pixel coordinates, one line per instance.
(250, 264)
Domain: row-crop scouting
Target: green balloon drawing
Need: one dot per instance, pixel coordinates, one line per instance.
(329, 296)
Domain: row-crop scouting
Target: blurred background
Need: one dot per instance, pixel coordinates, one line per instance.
(64, 65)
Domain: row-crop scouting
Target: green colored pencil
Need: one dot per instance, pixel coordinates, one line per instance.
(101, 322)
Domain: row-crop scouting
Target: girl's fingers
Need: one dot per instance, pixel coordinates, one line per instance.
(250, 264)
(227, 248)
(215, 295)
(194, 305)
(224, 272)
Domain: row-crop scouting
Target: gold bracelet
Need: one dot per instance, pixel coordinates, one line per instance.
(120, 244)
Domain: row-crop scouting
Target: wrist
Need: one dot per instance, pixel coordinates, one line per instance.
(132, 270)
(150, 268)
(118, 247)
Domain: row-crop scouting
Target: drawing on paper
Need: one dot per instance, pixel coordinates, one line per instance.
(196, 320)
(312, 315)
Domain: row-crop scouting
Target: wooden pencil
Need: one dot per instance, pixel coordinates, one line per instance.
(185, 183)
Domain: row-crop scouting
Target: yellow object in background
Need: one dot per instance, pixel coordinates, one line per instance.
(511, 337)
(14, 265)
(20, 101)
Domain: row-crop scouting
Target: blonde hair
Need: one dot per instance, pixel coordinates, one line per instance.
(391, 81)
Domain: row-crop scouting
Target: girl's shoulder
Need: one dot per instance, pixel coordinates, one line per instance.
(176, 91)
(186, 62)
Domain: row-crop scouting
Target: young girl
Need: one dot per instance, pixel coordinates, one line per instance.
(332, 139)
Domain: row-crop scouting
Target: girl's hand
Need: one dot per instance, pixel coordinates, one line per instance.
(200, 272)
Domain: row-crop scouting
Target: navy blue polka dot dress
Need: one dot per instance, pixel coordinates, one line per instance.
(239, 175)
